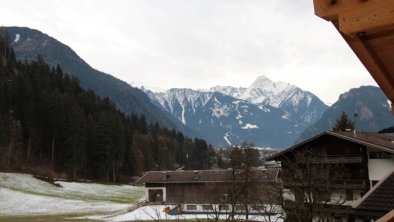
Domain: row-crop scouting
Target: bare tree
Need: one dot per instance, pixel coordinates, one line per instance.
(308, 186)
(246, 189)
(269, 202)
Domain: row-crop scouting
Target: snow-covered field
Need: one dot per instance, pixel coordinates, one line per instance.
(24, 195)
(155, 213)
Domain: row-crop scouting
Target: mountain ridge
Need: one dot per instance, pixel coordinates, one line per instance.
(281, 95)
(28, 43)
(225, 116)
(367, 106)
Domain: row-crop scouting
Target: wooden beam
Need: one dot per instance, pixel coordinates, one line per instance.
(392, 107)
(370, 19)
(330, 9)
(372, 63)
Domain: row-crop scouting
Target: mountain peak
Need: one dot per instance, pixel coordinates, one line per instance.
(264, 90)
(267, 85)
(262, 80)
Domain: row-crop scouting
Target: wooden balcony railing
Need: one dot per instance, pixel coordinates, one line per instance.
(332, 159)
(335, 183)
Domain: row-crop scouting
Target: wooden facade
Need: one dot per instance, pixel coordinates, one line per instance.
(199, 187)
(351, 160)
(178, 193)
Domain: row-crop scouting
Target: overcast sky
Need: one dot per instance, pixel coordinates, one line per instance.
(199, 43)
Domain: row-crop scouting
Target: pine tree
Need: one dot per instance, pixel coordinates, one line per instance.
(343, 123)
(49, 122)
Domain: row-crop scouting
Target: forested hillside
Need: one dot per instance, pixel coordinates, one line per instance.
(49, 123)
(31, 43)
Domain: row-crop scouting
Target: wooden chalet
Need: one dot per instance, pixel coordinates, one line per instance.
(368, 28)
(196, 186)
(364, 160)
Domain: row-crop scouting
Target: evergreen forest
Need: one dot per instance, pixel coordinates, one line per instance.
(51, 126)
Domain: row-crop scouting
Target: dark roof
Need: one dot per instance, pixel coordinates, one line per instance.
(380, 197)
(202, 176)
(379, 141)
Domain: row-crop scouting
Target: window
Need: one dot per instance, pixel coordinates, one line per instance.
(207, 207)
(223, 197)
(379, 155)
(191, 207)
(259, 208)
(240, 207)
(349, 194)
(223, 207)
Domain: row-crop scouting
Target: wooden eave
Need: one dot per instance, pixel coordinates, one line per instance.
(368, 28)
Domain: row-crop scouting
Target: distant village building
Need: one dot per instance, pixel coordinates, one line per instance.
(195, 186)
(215, 192)
(363, 159)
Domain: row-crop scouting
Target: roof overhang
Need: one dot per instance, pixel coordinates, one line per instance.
(368, 28)
(353, 139)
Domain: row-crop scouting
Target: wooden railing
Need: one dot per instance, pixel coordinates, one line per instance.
(335, 183)
(356, 184)
(332, 159)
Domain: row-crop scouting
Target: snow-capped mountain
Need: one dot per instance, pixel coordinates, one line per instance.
(267, 114)
(301, 105)
(224, 120)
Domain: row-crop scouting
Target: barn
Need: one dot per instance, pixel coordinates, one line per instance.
(200, 186)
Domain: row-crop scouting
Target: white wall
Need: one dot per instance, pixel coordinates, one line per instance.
(378, 168)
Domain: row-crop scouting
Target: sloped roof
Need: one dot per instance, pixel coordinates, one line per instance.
(368, 28)
(378, 141)
(202, 176)
(380, 197)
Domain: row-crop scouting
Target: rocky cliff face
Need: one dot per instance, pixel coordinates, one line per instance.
(367, 106)
(267, 114)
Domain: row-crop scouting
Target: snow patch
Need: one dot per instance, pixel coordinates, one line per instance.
(22, 194)
(264, 108)
(20, 203)
(155, 213)
(287, 115)
(17, 37)
(250, 126)
(183, 114)
(309, 100)
(220, 111)
(227, 140)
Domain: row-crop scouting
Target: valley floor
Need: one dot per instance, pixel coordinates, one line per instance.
(25, 198)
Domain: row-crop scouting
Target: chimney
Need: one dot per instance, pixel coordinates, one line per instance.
(354, 132)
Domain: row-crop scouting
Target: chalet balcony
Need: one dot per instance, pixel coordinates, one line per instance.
(334, 183)
(333, 159)
(354, 184)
